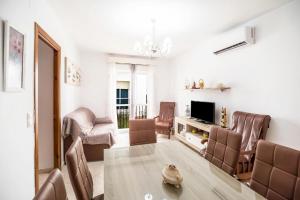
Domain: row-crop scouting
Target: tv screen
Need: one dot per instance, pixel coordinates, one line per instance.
(204, 111)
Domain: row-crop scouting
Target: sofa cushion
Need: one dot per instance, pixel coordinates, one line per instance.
(101, 134)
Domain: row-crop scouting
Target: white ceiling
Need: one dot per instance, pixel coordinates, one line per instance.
(113, 26)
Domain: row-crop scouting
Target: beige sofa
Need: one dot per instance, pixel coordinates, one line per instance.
(97, 134)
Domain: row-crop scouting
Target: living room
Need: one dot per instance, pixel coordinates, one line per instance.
(121, 80)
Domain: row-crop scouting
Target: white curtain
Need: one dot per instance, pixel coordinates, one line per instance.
(150, 91)
(111, 108)
(143, 84)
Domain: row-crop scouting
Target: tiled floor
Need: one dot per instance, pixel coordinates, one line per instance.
(97, 168)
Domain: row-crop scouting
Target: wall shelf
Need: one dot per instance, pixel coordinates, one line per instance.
(220, 88)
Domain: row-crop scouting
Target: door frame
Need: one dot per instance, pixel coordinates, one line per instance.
(39, 33)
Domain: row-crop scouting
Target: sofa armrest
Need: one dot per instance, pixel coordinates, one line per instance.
(103, 120)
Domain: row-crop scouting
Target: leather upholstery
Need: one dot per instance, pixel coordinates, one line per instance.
(141, 131)
(53, 188)
(251, 126)
(276, 172)
(79, 172)
(223, 149)
(164, 122)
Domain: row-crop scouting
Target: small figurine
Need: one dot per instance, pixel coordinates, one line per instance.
(194, 85)
(187, 111)
(201, 83)
(223, 117)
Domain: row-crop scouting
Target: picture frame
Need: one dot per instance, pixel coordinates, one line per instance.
(13, 59)
(72, 73)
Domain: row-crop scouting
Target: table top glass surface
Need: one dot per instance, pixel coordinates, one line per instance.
(136, 173)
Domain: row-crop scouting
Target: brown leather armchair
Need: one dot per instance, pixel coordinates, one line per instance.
(53, 188)
(141, 131)
(223, 149)
(252, 127)
(276, 171)
(164, 121)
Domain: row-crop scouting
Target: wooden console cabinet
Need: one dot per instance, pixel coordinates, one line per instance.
(184, 127)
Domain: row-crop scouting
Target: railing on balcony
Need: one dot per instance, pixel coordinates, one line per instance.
(141, 111)
(123, 114)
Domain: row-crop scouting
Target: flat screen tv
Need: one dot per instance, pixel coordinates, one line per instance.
(203, 111)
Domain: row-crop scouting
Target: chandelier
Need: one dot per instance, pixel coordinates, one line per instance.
(150, 47)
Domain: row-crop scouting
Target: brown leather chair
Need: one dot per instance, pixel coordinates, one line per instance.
(142, 131)
(79, 172)
(223, 149)
(164, 121)
(53, 188)
(252, 127)
(276, 171)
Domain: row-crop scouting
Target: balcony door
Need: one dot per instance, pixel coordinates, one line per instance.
(132, 91)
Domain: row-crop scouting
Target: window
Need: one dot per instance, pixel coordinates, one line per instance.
(122, 96)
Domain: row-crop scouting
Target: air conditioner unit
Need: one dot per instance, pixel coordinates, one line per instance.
(235, 39)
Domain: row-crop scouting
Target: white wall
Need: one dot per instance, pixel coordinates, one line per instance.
(94, 84)
(264, 77)
(45, 108)
(17, 148)
(163, 83)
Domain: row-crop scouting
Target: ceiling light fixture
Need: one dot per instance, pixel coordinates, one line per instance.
(150, 47)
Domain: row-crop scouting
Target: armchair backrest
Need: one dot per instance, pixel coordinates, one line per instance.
(166, 111)
(251, 126)
(223, 149)
(276, 171)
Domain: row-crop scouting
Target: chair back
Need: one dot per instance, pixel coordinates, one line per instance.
(53, 188)
(276, 171)
(251, 126)
(79, 172)
(142, 131)
(223, 149)
(166, 111)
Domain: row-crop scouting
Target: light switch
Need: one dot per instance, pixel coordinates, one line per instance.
(29, 120)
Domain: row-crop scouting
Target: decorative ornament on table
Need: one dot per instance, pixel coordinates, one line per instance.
(201, 83)
(187, 111)
(172, 175)
(194, 85)
(223, 117)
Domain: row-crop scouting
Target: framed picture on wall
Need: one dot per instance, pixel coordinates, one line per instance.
(14, 50)
(72, 73)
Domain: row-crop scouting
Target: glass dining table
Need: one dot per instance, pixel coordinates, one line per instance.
(135, 173)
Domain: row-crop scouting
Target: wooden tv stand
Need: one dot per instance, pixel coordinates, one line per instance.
(184, 127)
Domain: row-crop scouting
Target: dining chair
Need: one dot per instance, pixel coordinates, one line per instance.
(141, 131)
(53, 188)
(252, 127)
(164, 121)
(276, 171)
(223, 149)
(79, 172)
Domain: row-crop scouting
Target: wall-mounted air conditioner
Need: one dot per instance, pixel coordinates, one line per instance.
(235, 39)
